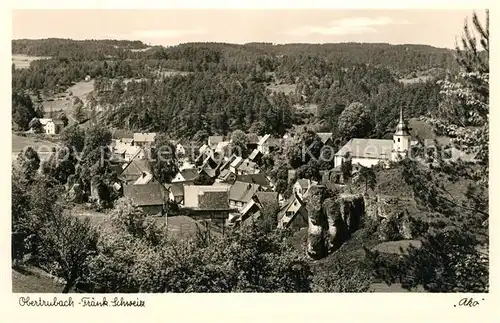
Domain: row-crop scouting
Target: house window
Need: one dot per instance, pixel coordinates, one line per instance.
(289, 213)
(399, 139)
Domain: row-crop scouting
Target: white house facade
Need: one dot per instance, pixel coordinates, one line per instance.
(370, 152)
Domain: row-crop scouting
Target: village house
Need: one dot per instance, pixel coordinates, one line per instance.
(149, 197)
(207, 171)
(186, 175)
(369, 152)
(267, 144)
(326, 138)
(222, 148)
(253, 210)
(144, 139)
(301, 186)
(176, 192)
(144, 179)
(129, 152)
(241, 193)
(180, 150)
(205, 150)
(213, 141)
(226, 176)
(237, 161)
(51, 126)
(260, 179)
(293, 213)
(255, 156)
(247, 167)
(209, 162)
(134, 169)
(252, 141)
(208, 202)
(185, 164)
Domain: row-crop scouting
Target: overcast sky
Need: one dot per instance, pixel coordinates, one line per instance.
(169, 27)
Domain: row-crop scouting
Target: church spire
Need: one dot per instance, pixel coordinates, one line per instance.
(402, 128)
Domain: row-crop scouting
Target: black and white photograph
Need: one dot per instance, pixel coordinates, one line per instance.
(249, 151)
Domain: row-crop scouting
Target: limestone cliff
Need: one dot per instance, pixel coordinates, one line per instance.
(331, 220)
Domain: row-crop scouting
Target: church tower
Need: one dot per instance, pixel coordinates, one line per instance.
(401, 138)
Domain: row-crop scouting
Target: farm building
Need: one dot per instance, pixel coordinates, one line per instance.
(52, 126)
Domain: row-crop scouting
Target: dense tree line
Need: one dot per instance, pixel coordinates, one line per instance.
(77, 50)
(455, 258)
(228, 85)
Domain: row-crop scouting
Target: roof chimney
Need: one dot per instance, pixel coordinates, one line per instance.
(144, 174)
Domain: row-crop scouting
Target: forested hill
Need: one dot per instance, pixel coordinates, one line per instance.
(256, 87)
(76, 49)
(402, 58)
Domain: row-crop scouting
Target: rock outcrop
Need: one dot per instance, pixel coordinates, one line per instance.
(75, 194)
(331, 221)
(393, 213)
(318, 224)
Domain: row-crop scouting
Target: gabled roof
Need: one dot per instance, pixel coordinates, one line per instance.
(203, 148)
(209, 162)
(221, 145)
(267, 199)
(324, 136)
(189, 174)
(144, 137)
(228, 162)
(263, 139)
(269, 141)
(132, 150)
(367, 148)
(177, 189)
(205, 197)
(227, 176)
(209, 171)
(145, 195)
(44, 121)
(248, 166)
(294, 198)
(236, 162)
(304, 183)
(254, 154)
(249, 206)
(136, 167)
(144, 179)
(260, 179)
(243, 192)
(214, 140)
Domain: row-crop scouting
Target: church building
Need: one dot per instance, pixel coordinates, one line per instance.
(369, 152)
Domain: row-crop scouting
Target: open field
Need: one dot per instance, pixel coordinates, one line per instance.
(397, 247)
(19, 143)
(34, 280)
(23, 61)
(63, 101)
